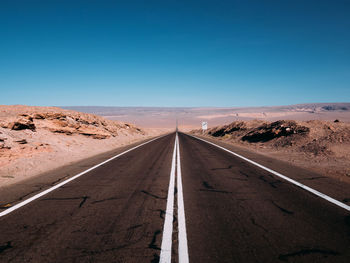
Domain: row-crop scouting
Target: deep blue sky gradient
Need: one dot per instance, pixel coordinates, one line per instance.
(174, 53)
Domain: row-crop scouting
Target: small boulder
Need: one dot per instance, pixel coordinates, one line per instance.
(22, 124)
(270, 131)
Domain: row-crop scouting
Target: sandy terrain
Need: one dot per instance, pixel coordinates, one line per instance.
(34, 140)
(191, 118)
(321, 146)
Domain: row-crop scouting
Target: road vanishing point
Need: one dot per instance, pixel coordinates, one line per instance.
(179, 198)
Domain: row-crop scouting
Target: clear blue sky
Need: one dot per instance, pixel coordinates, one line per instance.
(174, 53)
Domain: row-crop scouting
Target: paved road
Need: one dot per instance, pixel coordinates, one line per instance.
(234, 212)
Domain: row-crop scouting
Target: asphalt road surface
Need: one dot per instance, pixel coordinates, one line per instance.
(181, 200)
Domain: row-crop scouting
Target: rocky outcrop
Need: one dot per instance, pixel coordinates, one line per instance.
(34, 140)
(270, 131)
(228, 129)
(318, 138)
(258, 131)
(66, 122)
(22, 124)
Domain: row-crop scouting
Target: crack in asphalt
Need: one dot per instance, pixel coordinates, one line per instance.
(83, 201)
(135, 226)
(244, 174)
(258, 225)
(5, 247)
(84, 198)
(153, 245)
(4, 206)
(215, 191)
(313, 178)
(32, 192)
(155, 196)
(155, 258)
(59, 179)
(206, 185)
(304, 252)
(224, 168)
(104, 200)
(346, 200)
(161, 213)
(37, 190)
(283, 209)
(210, 188)
(272, 184)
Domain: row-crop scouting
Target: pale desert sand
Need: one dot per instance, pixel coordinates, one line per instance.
(191, 118)
(34, 140)
(63, 136)
(320, 146)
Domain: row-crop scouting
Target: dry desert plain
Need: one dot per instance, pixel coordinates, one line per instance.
(314, 136)
(191, 118)
(34, 140)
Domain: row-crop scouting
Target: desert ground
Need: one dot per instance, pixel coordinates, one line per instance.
(323, 146)
(318, 145)
(191, 118)
(34, 140)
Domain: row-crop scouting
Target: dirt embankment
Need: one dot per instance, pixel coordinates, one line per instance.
(37, 139)
(322, 146)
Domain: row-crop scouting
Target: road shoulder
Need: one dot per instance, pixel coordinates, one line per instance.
(12, 194)
(320, 182)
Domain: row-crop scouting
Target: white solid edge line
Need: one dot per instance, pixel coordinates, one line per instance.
(183, 249)
(309, 189)
(165, 252)
(31, 199)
